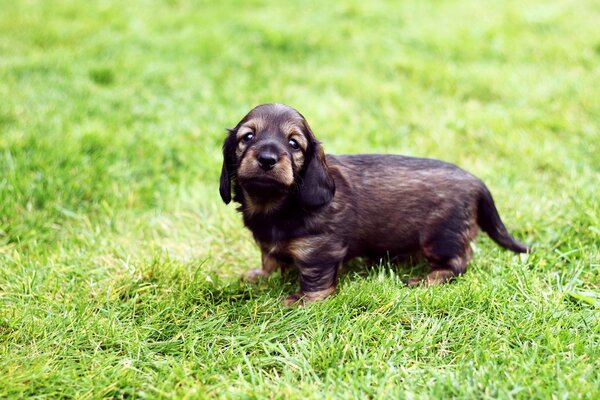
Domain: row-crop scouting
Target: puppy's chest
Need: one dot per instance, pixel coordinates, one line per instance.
(277, 242)
(279, 251)
(278, 238)
(274, 230)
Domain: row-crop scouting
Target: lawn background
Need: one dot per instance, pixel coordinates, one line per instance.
(119, 263)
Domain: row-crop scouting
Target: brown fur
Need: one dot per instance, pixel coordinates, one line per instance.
(317, 211)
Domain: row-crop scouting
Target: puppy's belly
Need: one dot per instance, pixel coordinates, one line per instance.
(384, 245)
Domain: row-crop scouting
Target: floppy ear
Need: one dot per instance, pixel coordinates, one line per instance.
(228, 168)
(317, 187)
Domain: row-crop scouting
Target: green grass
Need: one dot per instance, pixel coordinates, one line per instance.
(119, 264)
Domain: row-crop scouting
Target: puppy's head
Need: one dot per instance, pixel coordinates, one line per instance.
(272, 154)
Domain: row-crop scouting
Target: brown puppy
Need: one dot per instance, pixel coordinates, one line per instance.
(317, 211)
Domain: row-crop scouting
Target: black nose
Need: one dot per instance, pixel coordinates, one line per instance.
(267, 160)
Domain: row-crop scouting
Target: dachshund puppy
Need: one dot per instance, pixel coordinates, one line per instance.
(316, 211)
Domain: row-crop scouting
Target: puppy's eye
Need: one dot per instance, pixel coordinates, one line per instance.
(248, 137)
(294, 144)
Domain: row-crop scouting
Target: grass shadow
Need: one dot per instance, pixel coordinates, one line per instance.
(405, 268)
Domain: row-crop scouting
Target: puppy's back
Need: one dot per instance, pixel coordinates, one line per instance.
(396, 196)
(395, 175)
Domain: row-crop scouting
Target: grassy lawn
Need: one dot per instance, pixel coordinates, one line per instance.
(119, 264)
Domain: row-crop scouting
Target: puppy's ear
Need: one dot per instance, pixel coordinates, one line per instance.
(228, 168)
(317, 187)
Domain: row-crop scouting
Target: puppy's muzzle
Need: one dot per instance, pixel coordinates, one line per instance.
(268, 155)
(267, 160)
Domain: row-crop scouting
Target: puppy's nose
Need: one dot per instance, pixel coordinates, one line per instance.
(267, 160)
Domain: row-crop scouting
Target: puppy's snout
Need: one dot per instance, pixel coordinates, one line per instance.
(267, 160)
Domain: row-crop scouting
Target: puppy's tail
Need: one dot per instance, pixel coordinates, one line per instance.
(490, 222)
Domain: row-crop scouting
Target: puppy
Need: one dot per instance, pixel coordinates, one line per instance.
(316, 211)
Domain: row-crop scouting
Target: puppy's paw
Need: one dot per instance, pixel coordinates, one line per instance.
(411, 282)
(254, 275)
(294, 299)
(435, 278)
(304, 298)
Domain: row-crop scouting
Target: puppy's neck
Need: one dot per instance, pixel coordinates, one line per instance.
(253, 206)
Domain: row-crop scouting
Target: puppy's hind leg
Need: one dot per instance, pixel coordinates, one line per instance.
(448, 253)
(446, 271)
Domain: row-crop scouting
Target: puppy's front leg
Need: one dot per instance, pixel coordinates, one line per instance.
(316, 283)
(269, 264)
(318, 260)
